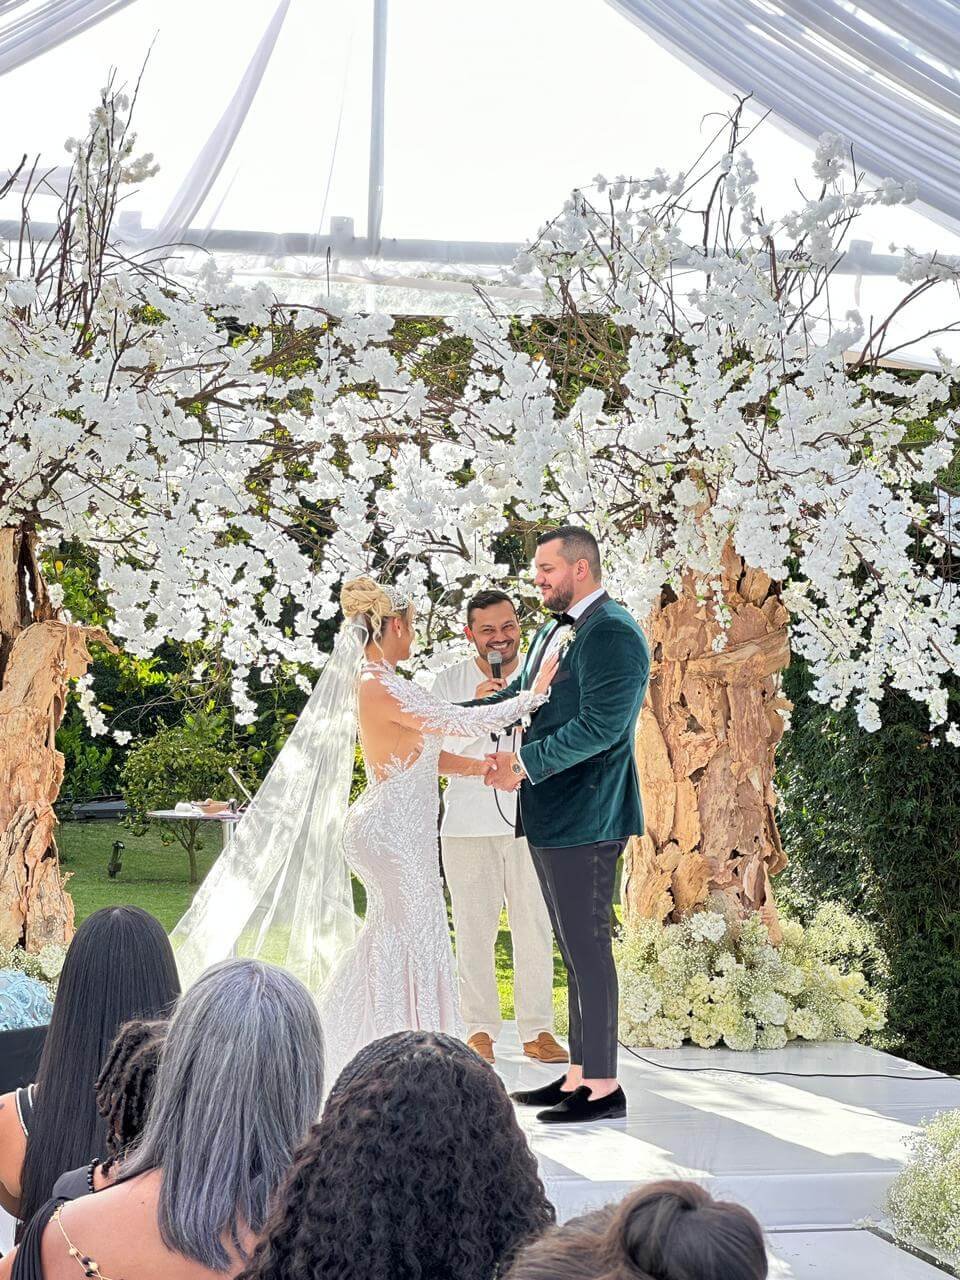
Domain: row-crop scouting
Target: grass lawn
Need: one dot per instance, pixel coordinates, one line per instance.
(154, 876)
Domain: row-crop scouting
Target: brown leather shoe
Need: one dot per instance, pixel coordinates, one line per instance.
(482, 1045)
(546, 1049)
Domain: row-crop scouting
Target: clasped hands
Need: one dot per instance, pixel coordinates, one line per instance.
(499, 771)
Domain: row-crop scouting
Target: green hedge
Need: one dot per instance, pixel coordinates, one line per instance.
(873, 821)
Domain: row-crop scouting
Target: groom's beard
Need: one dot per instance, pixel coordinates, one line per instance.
(560, 599)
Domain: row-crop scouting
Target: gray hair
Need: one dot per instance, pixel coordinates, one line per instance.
(239, 1085)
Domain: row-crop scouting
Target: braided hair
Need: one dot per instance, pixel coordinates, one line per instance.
(417, 1170)
(125, 1084)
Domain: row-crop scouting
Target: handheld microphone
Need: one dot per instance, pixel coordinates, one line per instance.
(495, 660)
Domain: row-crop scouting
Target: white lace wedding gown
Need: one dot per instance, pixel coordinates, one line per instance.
(399, 975)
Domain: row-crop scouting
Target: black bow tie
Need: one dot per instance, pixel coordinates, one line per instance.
(563, 619)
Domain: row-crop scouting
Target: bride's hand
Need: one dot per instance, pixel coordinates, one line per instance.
(546, 673)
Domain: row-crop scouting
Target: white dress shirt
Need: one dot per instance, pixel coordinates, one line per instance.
(470, 808)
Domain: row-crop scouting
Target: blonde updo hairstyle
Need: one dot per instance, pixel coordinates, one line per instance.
(367, 602)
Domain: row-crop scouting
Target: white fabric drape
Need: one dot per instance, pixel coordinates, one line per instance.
(879, 73)
(33, 31)
(204, 170)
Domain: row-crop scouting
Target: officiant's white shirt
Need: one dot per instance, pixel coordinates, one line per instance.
(470, 807)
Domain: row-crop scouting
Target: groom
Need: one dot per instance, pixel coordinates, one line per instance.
(580, 803)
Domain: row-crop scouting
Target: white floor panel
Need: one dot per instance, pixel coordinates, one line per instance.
(842, 1255)
(809, 1137)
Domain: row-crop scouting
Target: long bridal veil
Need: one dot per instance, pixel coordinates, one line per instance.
(280, 891)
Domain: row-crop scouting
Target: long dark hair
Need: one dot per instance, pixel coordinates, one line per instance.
(119, 966)
(417, 1168)
(664, 1231)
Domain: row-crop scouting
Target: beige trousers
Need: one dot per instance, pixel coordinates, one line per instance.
(483, 873)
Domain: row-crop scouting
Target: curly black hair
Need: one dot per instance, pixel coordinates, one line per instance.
(417, 1170)
(125, 1084)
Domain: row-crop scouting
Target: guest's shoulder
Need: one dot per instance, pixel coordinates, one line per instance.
(11, 1120)
(13, 1144)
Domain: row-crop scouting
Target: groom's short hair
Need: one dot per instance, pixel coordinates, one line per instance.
(577, 544)
(484, 599)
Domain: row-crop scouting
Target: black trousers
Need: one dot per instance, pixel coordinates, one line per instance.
(578, 884)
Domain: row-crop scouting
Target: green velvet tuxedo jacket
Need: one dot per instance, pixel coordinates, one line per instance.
(578, 750)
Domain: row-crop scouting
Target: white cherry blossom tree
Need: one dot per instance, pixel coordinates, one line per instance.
(228, 459)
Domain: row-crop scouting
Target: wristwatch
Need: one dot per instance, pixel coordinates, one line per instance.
(517, 769)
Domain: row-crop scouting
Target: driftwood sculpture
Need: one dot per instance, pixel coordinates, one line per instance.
(39, 653)
(706, 741)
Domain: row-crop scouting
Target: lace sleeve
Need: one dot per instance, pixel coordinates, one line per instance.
(430, 714)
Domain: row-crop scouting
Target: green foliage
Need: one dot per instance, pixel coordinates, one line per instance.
(183, 763)
(925, 1198)
(89, 769)
(873, 820)
(134, 694)
(155, 873)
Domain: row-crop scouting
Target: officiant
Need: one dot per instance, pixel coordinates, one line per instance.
(486, 866)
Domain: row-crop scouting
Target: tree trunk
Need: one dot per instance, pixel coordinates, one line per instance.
(193, 833)
(706, 741)
(38, 655)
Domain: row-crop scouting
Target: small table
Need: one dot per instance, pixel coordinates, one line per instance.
(227, 820)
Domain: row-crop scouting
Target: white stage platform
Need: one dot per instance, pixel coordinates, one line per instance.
(808, 1137)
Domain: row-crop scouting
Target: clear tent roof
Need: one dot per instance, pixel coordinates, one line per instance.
(391, 146)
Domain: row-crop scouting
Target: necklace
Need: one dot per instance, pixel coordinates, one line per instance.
(90, 1168)
(90, 1268)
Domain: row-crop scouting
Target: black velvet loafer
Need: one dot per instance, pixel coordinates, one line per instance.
(579, 1108)
(547, 1096)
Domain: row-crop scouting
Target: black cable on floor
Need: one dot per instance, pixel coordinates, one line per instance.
(799, 1075)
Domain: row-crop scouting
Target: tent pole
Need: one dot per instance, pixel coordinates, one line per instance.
(377, 104)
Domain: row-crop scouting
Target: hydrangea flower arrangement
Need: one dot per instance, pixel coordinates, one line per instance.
(713, 979)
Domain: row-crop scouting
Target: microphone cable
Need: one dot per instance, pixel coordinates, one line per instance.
(495, 662)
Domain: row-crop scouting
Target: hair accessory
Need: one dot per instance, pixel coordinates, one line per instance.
(399, 599)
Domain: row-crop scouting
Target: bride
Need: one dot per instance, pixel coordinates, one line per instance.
(281, 890)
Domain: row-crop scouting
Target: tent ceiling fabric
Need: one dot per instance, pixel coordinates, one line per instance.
(405, 149)
(878, 72)
(28, 30)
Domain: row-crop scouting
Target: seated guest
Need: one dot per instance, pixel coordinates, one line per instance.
(119, 966)
(123, 1091)
(417, 1168)
(240, 1080)
(664, 1231)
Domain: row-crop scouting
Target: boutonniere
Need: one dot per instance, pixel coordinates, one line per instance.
(565, 639)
